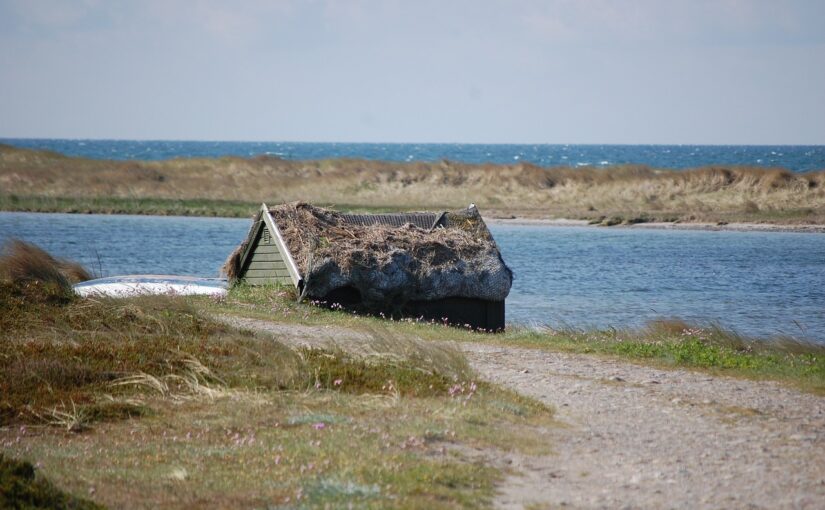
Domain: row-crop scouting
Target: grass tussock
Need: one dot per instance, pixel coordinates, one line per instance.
(22, 262)
(231, 186)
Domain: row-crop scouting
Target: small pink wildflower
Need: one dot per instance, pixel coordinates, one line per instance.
(338, 382)
(319, 426)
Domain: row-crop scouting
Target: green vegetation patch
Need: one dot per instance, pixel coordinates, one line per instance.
(677, 344)
(366, 376)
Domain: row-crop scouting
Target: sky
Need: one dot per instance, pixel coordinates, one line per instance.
(480, 71)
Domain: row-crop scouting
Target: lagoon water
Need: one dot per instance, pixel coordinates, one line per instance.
(757, 283)
(797, 158)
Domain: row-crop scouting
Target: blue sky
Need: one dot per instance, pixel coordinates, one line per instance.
(555, 71)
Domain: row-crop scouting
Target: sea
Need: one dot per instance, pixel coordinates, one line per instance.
(759, 284)
(797, 158)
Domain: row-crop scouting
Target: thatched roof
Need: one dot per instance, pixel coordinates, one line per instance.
(393, 258)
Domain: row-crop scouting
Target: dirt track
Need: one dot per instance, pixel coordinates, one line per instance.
(639, 437)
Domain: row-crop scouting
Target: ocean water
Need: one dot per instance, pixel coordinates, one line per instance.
(795, 158)
(758, 283)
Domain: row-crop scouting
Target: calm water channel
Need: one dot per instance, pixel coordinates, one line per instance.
(756, 283)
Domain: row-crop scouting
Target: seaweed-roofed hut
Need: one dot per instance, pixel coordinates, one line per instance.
(440, 266)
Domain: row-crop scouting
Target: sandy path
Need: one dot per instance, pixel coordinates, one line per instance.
(639, 437)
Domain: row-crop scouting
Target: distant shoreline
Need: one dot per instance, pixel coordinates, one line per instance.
(797, 158)
(659, 225)
(524, 221)
(715, 197)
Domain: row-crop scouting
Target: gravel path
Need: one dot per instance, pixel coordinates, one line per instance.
(647, 438)
(639, 437)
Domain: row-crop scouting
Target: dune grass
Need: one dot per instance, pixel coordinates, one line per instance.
(230, 186)
(150, 402)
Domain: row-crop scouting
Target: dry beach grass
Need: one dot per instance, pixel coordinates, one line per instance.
(150, 402)
(39, 180)
(22, 262)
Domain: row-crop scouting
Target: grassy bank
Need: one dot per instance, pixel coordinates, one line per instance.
(45, 181)
(666, 344)
(150, 402)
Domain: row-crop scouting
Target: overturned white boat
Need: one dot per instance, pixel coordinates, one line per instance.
(139, 285)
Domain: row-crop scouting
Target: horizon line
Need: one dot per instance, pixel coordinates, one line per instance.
(184, 140)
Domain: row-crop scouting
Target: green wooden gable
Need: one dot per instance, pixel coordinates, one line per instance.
(267, 259)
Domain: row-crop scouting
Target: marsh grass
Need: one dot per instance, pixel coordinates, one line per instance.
(236, 186)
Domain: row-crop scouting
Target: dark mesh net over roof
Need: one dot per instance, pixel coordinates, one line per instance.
(422, 220)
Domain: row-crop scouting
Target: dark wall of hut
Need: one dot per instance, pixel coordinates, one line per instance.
(475, 314)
